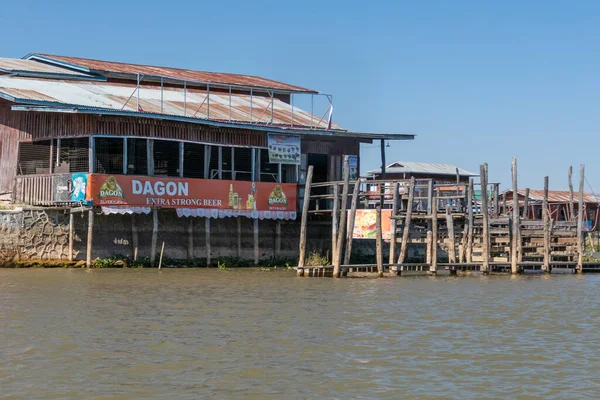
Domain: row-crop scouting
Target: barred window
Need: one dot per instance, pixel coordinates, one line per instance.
(137, 157)
(109, 155)
(34, 158)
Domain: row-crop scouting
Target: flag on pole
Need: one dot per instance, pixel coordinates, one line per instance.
(330, 120)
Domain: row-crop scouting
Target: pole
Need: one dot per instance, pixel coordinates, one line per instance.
(514, 267)
(383, 174)
(484, 212)
(161, 255)
(305, 207)
(353, 206)
(571, 195)
(526, 205)
(434, 237)
(90, 235)
(470, 222)
(407, 220)
(451, 239)
(395, 198)
(343, 217)
(334, 221)
(580, 205)
(154, 237)
(546, 219)
(71, 232)
(379, 242)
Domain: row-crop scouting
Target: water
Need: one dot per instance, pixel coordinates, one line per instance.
(249, 334)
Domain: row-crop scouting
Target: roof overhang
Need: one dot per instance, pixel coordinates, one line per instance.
(33, 107)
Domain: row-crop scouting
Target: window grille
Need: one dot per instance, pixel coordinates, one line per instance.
(74, 155)
(166, 158)
(137, 157)
(108, 155)
(34, 158)
(193, 160)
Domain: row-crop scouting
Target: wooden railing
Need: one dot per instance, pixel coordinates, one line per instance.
(35, 190)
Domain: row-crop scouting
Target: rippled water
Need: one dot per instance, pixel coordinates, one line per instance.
(253, 334)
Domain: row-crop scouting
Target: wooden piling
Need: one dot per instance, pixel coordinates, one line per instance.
(134, 237)
(470, 199)
(428, 252)
(334, 220)
(278, 239)
(379, 242)
(451, 239)
(407, 220)
(256, 243)
(485, 217)
(90, 235)
(154, 237)
(190, 247)
(71, 233)
(394, 224)
(580, 206)
(162, 250)
(433, 240)
(351, 221)
(514, 249)
(305, 207)
(496, 201)
(343, 219)
(207, 240)
(546, 220)
(571, 195)
(239, 236)
(429, 196)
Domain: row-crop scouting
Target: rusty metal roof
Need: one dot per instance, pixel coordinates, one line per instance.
(18, 66)
(130, 71)
(193, 103)
(557, 196)
(411, 167)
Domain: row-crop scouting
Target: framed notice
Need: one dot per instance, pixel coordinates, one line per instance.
(284, 149)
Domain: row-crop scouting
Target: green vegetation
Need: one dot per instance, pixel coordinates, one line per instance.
(316, 259)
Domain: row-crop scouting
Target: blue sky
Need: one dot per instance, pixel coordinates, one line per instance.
(477, 81)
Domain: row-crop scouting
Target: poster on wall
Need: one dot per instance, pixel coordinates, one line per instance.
(353, 164)
(365, 224)
(200, 197)
(79, 183)
(284, 149)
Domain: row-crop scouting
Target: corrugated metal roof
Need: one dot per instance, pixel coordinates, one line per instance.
(557, 196)
(111, 67)
(406, 167)
(123, 96)
(11, 65)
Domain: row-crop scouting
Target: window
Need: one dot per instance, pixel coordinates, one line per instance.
(108, 155)
(243, 164)
(213, 162)
(166, 158)
(137, 161)
(34, 158)
(268, 172)
(193, 160)
(74, 155)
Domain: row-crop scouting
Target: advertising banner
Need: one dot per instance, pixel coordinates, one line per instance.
(284, 149)
(365, 226)
(233, 198)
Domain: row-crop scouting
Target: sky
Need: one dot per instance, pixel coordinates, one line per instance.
(476, 81)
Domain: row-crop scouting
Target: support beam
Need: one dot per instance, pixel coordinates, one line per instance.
(207, 240)
(154, 237)
(256, 243)
(580, 206)
(383, 173)
(470, 197)
(134, 237)
(304, 220)
(496, 201)
(526, 205)
(485, 240)
(71, 233)
(351, 222)
(394, 224)
(379, 241)
(429, 196)
(90, 236)
(239, 236)
(571, 195)
(339, 247)
(434, 237)
(451, 239)
(190, 247)
(407, 220)
(514, 250)
(334, 220)
(546, 220)
(125, 155)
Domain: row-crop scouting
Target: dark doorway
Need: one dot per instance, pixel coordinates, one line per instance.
(319, 163)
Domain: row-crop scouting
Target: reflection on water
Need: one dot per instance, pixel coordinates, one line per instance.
(141, 334)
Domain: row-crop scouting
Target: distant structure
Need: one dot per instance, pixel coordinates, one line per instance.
(440, 173)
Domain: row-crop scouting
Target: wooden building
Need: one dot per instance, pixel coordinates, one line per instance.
(131, 139)
(439, 173)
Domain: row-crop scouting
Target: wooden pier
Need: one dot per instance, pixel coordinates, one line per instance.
(461, 232)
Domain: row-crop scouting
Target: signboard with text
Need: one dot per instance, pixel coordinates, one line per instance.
(284, 149)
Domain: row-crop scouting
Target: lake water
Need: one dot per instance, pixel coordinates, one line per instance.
(250, 334)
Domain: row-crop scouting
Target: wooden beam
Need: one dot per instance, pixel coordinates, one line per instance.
(394, 223)
(341, 235)
(571, 195)
(334, 220)
(190, 247)
(580, 205)
(546, 220)
(514, 250)
(90, 236)
(256, 243)
(351, 222)
(71, 233)
(383, 173)
(470, 197)
(496, 201)
(304, 220)
(451, 239)
(407, 220)
(134, 237)
(207, 240)
(154, 237)
(434, 237)
(526, 205)
(484, 212)
(379, 242)
(239, 236)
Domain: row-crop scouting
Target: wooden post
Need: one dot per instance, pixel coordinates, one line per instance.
(278, 238)
(162, 250)
(526, 205)
(239, 236)
(496, 201)
(470, 199)
(571, 204)
(305, 206)
(393, 222)
(190, 249)
(484, 213)
(451, 239)
(434, 236)
(429, 196)
(71, 232)
(580, 206)
(406, 229)
(90, 235)
(428, 252)
(504, 208)
(383, 174)
(514, 250)
(154, 236)
(353, 206)
(334, 220)
(256, 244)
(379, 242)
(546, 219)
(207, 239)
(457, 176)
(339, 247)
(134, 237)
